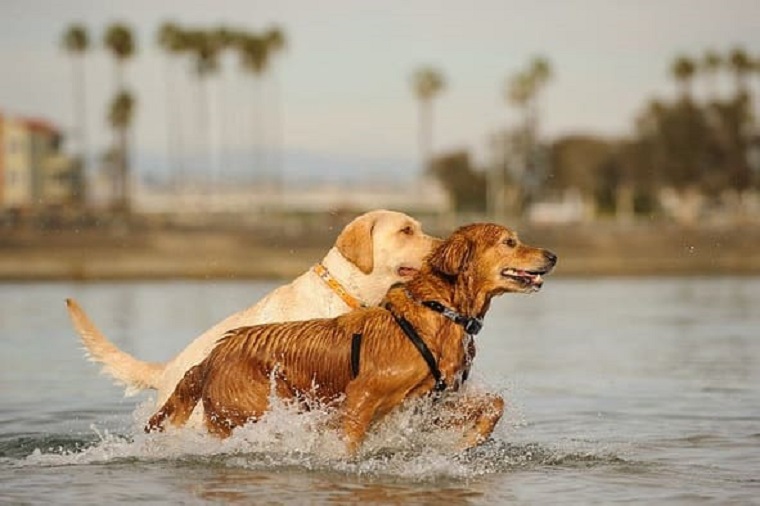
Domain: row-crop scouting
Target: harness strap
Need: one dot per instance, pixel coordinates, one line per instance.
(427, 355)
(356, 345)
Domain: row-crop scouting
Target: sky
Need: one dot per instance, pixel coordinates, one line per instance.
(340, 94)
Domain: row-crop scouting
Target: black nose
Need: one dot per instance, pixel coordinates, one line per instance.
(551, 257)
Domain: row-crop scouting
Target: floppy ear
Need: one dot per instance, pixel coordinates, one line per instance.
(451, 257)
(355, 243)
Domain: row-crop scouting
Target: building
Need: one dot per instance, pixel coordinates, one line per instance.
(34, 173)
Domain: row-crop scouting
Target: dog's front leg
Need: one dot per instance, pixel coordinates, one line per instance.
(359, 411)
(476, 414)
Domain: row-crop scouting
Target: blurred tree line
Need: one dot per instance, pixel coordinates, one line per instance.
(203, 49)
(707, 144)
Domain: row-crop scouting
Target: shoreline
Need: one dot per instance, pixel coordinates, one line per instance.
(584, 251)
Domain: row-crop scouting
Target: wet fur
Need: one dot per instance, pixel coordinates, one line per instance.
(311, 359)
(365, 259)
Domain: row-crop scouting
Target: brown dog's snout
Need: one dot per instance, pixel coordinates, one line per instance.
(550, 257)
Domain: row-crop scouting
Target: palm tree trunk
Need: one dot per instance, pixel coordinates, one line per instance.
(257, 129)
(214, 123)
(119, 76)
(124, 177)
(277, 166)
(171, 151)
(80, 106)
(425, 132)
(203, 130)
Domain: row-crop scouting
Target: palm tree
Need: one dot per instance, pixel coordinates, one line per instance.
(523, 91)
(76, 42)
(519, 92)
(540, 71)
(119, 41)
(682, 70)
(120, 116)
(172, 41)
(539, 74)
(427, 83)
(223, 38)
(710, 65)
(756, 70)
(255, 55)
(205, 48)
(740, 65)
(276, 43)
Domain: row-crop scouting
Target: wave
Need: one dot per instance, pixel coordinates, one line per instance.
(404, 446)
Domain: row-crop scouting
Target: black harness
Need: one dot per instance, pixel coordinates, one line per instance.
(470, 325)
(427, 355)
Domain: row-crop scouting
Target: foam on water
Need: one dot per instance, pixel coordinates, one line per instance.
(405, 445)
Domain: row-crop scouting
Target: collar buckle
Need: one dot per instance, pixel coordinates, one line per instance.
(472, 325)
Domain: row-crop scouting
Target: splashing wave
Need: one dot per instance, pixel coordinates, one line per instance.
(405, 446)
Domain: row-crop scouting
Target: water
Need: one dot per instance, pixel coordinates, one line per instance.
(618, 390)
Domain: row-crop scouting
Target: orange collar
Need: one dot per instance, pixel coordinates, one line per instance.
(336, 287)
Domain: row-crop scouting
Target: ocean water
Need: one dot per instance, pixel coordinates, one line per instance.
(618, 390)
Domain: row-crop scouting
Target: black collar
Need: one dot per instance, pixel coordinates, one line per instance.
(470, 324)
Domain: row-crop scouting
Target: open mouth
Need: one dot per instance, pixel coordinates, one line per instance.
(406, 272)
(525, 278)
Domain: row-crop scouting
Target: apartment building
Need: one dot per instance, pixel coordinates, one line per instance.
(34, 172)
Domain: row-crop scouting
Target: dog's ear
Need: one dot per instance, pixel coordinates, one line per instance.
(451, 257)
(355, 243)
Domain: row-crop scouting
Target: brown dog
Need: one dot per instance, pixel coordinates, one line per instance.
(420, 342)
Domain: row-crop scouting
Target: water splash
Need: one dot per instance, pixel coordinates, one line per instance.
(405, 445)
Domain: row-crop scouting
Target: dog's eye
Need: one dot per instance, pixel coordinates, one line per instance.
(407, 230)
(511, 242)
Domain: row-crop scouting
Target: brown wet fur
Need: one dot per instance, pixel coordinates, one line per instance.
(310, 360)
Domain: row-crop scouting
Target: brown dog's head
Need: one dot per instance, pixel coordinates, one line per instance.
(493, 258)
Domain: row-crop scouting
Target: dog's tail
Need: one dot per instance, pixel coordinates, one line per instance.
(179, 406)
(134, 374)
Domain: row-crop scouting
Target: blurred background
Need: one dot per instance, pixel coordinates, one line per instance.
(235, 138)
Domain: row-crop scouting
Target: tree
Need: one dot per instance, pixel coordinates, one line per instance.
(709, 66)
(119, 41)
(204, 49)
(682, 70)
(76, 42)
(120, 116)
(523, 91)
(172, 41)
(540, 73)
(427, 83)
(254, 52)
(756, 71)
(519, 92)
(740, 65)
(276, 44)
(465, 185)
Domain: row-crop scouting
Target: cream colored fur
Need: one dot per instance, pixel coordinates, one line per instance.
(391, 239)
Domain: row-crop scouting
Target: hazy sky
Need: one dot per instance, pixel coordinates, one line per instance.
(344, 79)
